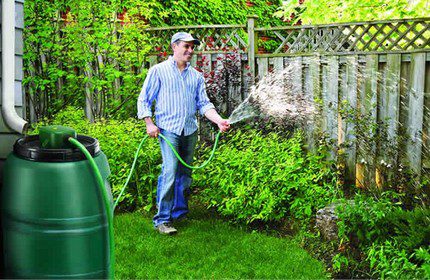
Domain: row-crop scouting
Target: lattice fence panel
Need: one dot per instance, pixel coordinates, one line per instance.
(213, 38)
(383, 36)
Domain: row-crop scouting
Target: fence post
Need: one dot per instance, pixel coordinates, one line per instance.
(252, 44)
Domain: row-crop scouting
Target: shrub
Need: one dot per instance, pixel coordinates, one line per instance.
(382, 238)
(119, 141)
(257, 177)
(391, 260)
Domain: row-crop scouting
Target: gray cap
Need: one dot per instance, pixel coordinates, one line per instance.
(184, 36)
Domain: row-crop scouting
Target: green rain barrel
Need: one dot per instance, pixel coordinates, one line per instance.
(53, 217)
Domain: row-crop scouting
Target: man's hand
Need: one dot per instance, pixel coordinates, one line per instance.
(151, 129)
(224, 125)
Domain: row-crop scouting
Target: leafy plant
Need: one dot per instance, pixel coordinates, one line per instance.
(181, 12)
(309, 12)
(381, 238)
(79, 53)
(259, 177)
(390, 260)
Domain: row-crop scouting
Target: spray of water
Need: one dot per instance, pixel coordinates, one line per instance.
(276, 96)
(279, 95)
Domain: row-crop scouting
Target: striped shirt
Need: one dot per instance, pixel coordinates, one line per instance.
(177, 95)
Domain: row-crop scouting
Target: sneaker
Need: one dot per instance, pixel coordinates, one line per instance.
(166, 229)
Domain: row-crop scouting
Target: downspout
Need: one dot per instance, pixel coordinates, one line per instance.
(11, 118)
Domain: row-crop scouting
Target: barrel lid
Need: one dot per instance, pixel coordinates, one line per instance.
(30, 148)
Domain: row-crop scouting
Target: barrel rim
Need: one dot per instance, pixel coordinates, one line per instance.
(29, 148)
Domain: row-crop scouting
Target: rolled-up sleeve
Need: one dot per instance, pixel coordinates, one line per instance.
(202, 101)
(148, 94)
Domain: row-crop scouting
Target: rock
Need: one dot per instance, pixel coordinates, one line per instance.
(326, 221)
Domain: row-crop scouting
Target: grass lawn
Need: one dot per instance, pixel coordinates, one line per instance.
(206, 247)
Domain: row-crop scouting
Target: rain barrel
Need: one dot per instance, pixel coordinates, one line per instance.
(53, 217)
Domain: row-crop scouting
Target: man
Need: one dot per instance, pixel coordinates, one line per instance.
(179, 91)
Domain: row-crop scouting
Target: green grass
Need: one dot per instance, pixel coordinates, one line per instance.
(206, 247)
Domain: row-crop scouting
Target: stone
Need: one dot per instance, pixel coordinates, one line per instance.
(326, 221)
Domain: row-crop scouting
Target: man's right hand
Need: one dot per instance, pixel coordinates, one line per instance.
(151, 129)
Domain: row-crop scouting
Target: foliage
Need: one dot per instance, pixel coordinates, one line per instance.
(394, 243)
(119, 141)
(390, 260)
(267, 46)
(225, 75)
(181, 12)
(309, 12)
(265, 178)
(363, 221)
(78, 52)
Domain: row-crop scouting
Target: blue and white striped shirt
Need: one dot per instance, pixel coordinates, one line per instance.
(178, 96)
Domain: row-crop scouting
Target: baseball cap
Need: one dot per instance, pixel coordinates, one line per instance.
(184, 36)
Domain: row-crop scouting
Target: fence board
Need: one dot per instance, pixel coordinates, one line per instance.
(368, 107)
(330, 90)
(403, 115)
(296, 79)
(347, 136)
(263, 67)
(426, 134)
(392, 94)
(312, 90)
(278, 64)
(389, 112)
(278, 67)
(247, 80)
(415, 111)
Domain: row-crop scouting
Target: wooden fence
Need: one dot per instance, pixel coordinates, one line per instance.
(380, 70)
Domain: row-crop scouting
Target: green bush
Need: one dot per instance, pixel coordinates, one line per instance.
(257, 177)
(391, 260)
(180, 12)
(119, 141)
(384, 239)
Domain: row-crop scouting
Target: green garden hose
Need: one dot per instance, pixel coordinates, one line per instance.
(105, 201)
(176, 154)
(105, 196)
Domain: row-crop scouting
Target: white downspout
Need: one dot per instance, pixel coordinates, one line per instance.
(11, 118)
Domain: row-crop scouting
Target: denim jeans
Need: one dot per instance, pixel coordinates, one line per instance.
(175, 179)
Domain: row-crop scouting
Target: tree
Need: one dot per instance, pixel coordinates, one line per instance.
(329, 11)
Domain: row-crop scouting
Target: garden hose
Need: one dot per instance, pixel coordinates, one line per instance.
(106, 202)
(176, 154)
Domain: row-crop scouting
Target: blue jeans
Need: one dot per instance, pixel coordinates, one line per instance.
(175, 179)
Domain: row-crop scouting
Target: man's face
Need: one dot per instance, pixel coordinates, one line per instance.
(183, 51)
